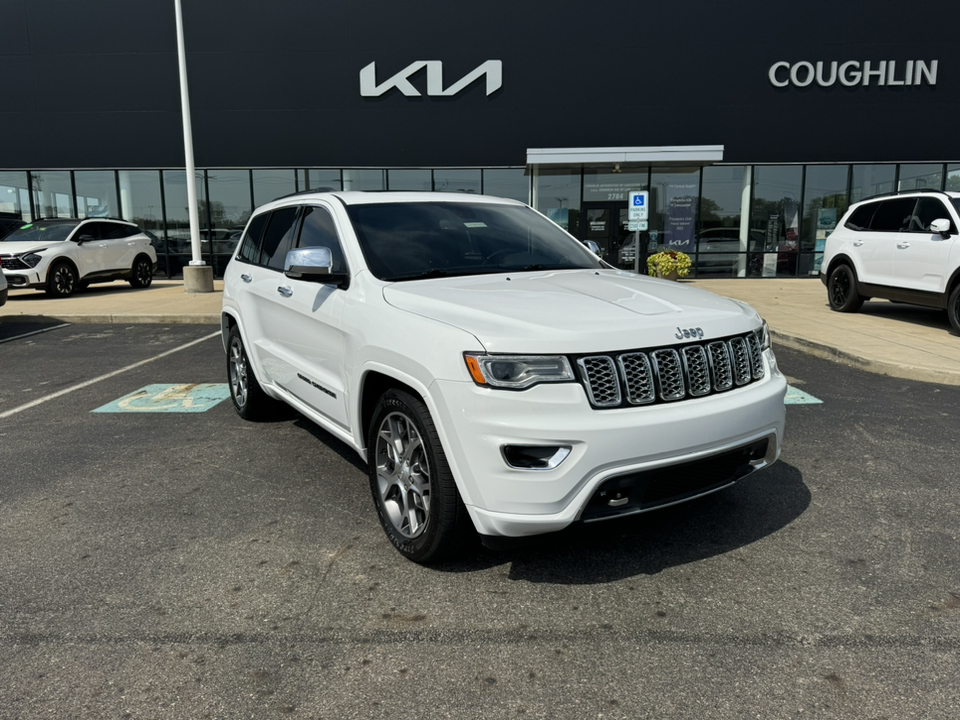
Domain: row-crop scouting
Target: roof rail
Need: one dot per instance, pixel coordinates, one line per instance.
(314, 191)
(894, 193)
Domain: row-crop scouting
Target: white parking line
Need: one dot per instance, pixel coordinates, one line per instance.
(35, 332)
(95, 380)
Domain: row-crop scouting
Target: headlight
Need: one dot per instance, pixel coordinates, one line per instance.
(518, 371)
(32, 258)
(763, 335)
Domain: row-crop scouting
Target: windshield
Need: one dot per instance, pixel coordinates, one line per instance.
(41, 232)
(407, 241)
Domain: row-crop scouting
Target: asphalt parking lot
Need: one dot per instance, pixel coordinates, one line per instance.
(174, 563)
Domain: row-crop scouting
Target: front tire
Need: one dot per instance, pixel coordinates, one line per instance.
(416, 497)
(141, 274)
(62, 280)
(249, 399)
(842, 290)
(953, 309)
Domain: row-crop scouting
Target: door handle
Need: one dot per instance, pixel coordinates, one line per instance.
(246, 278)
(903, 245)
(285, 291)
(858, 243)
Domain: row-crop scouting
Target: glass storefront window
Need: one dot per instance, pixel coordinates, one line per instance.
(321, 180)
(413, 180)
(920, 177)
(674, 194)
(177, 230)
(364, 179)
(776, 215)
(96, 193)
(609, 184)
(140, 202)
(953, 178)
(510, 183)
(53, 194)
(556, 193)
(14, 195)
(229, 206)
(462, 181)
(870, 180)
(824, 203)
(725, 246)
(272, 184)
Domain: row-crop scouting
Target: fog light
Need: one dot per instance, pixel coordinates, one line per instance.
(534, 457)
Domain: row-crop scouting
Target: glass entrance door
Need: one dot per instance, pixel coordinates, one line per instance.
(606, 225)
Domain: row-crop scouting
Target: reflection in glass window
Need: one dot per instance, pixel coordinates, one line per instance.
(271, 184)
(413, 180)
(510, 183)
(612, 184)
(953, 178)
(96, 193)
(674, 193)
(920, 177)
(14, 196)
(140, 203)
(776, 214)
(824, 203)
(364, 179)
(556, 193)
(463, 181)
(870, 180)
(177, 230)
(724, 198)
(53, 194)
(321, 180)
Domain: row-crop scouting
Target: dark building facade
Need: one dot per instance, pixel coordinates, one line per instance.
(752, 125)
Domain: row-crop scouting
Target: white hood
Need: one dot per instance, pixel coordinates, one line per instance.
(16, 248)
(572, 311)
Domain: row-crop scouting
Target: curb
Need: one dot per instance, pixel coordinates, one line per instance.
(828, 352)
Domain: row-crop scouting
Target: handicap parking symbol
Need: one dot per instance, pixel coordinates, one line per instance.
(184, 398)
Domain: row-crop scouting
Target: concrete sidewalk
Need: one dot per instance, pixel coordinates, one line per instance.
(887, 338)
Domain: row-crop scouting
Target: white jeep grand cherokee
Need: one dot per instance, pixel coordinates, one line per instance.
(494, 373)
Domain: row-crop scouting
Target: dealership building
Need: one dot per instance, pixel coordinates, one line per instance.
(752, 125)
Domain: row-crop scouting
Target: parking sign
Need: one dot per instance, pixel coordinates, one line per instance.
(639, 201)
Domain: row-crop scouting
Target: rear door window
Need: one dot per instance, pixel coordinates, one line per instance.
(893, 215)
(250, 243)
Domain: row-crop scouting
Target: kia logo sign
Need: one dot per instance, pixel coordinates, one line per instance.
(492, 69)
(853, 73)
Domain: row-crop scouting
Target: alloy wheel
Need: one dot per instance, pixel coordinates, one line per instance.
(403, 475)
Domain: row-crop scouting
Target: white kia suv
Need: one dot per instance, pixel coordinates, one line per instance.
(902, 247)
(65, 254)
(494, 373)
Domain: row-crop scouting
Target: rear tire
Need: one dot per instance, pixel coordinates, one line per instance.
(62, 280)
(141, 274)
(842, 290)
(416, 497)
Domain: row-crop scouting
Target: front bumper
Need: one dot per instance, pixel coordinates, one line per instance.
(604, 444)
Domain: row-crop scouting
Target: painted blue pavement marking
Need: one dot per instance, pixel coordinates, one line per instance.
(194, 397)
(799, 397)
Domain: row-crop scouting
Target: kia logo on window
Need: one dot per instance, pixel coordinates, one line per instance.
(492, 69)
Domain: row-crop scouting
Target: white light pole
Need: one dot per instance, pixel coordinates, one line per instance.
(197, 276)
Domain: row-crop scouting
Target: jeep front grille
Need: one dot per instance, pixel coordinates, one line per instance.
(643, 377)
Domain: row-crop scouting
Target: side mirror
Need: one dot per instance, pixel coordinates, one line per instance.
(84, 238)
(592, 246)
(942, 226)
(313, 264)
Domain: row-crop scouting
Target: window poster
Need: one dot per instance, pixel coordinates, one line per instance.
(681, 215)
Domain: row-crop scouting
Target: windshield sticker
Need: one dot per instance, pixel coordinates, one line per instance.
(474, 224)
(27, 226)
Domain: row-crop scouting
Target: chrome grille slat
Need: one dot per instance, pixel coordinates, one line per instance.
(697, 369)
(603, 387)
(642, 377)
(720, 363)
(638, 378)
